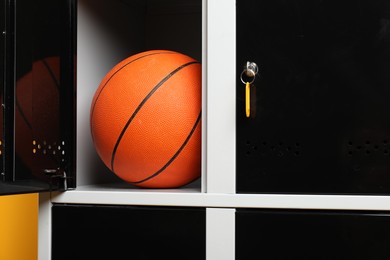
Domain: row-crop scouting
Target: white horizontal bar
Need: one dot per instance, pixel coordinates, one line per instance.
(193, 198)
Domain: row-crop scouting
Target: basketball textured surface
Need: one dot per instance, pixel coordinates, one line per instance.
(146, 119)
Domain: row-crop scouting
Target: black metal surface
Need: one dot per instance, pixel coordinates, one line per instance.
(2, 81)
(8, 91)
(320, 103)
(128, 232)
(39, 94)
(307, 235)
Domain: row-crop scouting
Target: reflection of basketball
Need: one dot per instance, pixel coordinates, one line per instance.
(37, 115)
(146, 119)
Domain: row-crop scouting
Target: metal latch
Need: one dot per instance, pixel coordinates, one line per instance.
(57, 173)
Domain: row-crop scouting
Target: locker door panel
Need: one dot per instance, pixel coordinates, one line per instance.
(128, 232)
(288, 234)
(320, 120)
(38, 87)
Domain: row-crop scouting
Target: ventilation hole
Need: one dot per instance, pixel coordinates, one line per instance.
(376, 147)
(34, 150)
(368, 152)
(34, 142)
(272, 148)
(248, 153)
(248, 143)
(280, 143)
(254, 147)
(63, 142)
(367, 142)
(350, 153)
(63, 152)
(297, 144)
(39, 146)
(44, 151)
(49, 147)
(54, 151)
(288, 148)
(359, 147)
(385, 142)
(59, 147)
(356, 168)
(264, 143)
(297, 153)
(350, 143)
(44, 142)
(386, 152)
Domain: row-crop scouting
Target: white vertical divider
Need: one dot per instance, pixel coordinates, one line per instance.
(220, 78)
(204, 97)
(220, 234)
(44, 226)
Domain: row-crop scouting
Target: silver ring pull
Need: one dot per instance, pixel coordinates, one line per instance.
(250, 71)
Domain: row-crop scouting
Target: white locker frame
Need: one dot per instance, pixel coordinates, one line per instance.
(217, 193)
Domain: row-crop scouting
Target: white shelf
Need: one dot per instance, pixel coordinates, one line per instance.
(100, 47)
(192, 197)
(217, 185)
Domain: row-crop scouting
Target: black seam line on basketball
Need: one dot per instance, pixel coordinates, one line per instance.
(150, 54)
(23, 115)
(18, 106)
(17, 101)
(52, 75)
(175, 155)
(141, 105)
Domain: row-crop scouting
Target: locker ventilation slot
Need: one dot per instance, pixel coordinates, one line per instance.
(279, 148)
(45, 148)
(368, 148)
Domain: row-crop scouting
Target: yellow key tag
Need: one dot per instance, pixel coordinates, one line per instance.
(248, 77)
(248, 99)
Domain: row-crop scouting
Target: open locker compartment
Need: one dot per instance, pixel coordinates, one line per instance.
(109, 32)
(37, 112)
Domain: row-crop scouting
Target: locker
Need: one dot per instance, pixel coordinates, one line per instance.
(38, 87)
(311, 234)
(320, 120)
(306, 170)
(115, 232)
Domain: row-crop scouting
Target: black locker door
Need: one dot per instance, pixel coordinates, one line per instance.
(308, 235)
(320, 110)
(38, 95)
(128, 232)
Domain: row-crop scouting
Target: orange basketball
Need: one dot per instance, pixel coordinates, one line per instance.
(146, 119)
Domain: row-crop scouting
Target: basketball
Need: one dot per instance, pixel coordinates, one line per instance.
(145, 119)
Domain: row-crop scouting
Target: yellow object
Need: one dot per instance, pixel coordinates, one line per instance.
(19, 227)
(248, 99)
